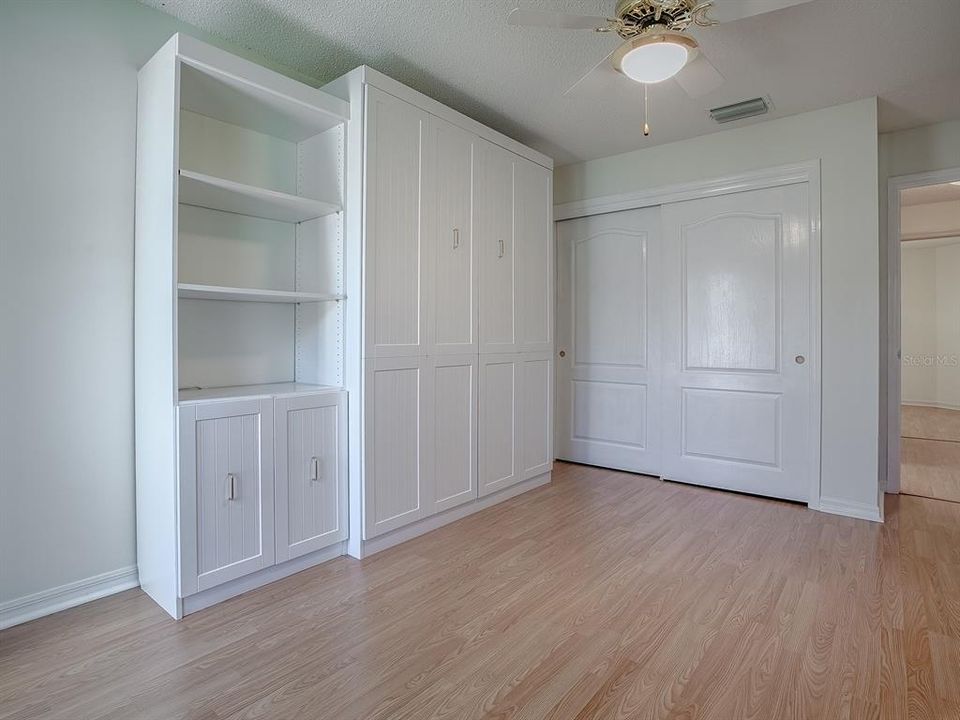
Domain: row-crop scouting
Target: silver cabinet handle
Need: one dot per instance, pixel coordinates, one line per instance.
(501, 248)
(314, 469)
(231, 486)
(799, 359)
(456, 238)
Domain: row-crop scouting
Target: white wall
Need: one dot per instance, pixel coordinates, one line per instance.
(67, 141)
(844, 138)
(918, 290)
(948, 325)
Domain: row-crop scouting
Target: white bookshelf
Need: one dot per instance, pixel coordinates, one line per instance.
(239, 302)
(215, 292)
(216, 193)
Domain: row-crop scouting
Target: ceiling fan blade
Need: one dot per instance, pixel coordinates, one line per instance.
(699, 77)
(561, 21)
(600, 75)
(729, 10)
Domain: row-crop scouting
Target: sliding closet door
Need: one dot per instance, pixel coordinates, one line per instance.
(737, 317)
(608, 340)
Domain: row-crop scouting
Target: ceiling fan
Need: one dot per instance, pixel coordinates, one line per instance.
(656, 44)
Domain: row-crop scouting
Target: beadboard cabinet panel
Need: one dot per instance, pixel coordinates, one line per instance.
(499, 435)
(227, 481)
(455, 287)
(311, 477)
(497, 250)
(454, 395)
(397, 443)
(396, 257)
(535, 253)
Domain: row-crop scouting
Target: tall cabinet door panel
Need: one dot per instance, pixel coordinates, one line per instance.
(499, 437)
(534, 241)
(311, 480)
(454, 394)
(454, 306)
(495, 241)
(536, 414)
(396, 444)
(396, 258)
(226, 468)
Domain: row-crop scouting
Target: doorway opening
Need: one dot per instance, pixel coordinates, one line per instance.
(928, 242)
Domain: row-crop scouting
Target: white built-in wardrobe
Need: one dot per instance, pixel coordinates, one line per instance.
(343, 321)
(451, 224)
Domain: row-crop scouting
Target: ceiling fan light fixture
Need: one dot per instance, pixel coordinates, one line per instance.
(654, 58)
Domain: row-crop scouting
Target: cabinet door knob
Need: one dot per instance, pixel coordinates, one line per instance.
(456, 238)
(314, 469)
(799, 359)
(231, 486)
(501, 248)
(563, 353)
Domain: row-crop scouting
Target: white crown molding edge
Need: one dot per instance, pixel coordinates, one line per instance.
(847, 508)
(46, 602)
(788, 174)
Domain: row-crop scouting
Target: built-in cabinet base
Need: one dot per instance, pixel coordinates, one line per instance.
(267, 575)
(364, 548)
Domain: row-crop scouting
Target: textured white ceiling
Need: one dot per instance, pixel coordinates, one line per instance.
(463, 53)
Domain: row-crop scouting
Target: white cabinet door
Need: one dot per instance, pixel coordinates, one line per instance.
(499, 436)
(737, 317)
(454, 299)
(395, 205)
(535, 241)
(495, 243)
(311, 473)
(608, 340)
(397, 445)
(226, 492)
(536, 414)
(454, 393)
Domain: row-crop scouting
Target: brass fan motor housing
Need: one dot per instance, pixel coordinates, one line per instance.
(642, 17)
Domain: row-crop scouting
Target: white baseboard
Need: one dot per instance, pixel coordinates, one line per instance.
(47, 602)
(408, 532)
(861, 511)
(938, 405)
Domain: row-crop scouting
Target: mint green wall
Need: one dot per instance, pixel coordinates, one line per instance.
(68, 83)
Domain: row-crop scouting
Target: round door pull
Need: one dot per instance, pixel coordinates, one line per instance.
(800, 359)
(563, 353)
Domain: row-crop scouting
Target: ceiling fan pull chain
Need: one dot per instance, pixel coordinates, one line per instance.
(646, 124)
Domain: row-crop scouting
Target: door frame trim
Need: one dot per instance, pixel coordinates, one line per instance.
(790, 174)
(891, 412)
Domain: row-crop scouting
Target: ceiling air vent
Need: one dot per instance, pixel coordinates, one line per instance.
(740, 110)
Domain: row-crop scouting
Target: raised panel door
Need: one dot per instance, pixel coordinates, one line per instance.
(608, 340)
(736, 381)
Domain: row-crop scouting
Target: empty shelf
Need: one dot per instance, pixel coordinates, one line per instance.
(215, 292)
(218, 194)
(239, 392)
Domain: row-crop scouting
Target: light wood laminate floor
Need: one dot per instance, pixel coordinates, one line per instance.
(603, 595)
(930, 452)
